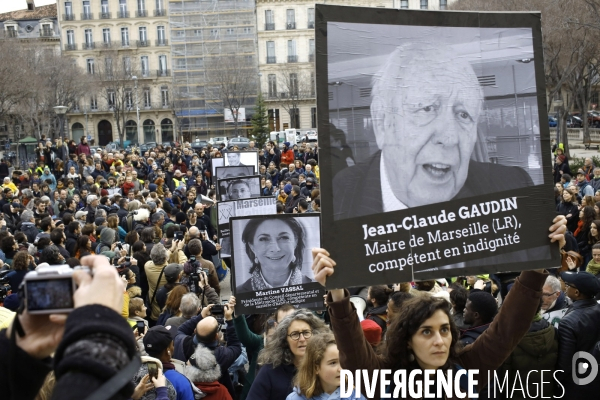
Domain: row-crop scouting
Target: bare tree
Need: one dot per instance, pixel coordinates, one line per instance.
(295, 87)
(12, 76)
(114, 79)
(231, 82)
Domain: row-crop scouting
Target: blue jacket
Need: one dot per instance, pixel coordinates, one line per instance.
(295, 395)
(182, 385)
(272, 383)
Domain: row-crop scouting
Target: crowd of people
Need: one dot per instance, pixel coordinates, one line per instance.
(149, 322)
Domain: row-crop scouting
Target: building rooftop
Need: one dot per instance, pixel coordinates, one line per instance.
(49, 11)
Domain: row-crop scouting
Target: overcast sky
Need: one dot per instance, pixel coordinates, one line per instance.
(12, 5)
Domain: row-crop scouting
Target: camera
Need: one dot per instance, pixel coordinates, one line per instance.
(119, 245)
(49, 290)
(178, 235)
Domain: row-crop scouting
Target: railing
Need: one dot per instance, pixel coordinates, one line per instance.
(46, 32)
(123, 14)
(269, 26)
(105, 15)
(125, 44)
(88, 46)
(70, 47)
(85, 16)
(290, 25)
(271, 60)
(143, 43)
(141, 13)
(106, 44)
(68, 17)
(161, 42)
(160, 13)
(311, 25)
(311, 57)
(292, 59)
(163, 72)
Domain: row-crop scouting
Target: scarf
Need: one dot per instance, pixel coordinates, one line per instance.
(593, 268)
(579, 226)
(258, 282)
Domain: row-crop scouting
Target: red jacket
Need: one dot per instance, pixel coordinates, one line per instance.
(127, 186)
(214, 391)
(287, 156)
(83, 148)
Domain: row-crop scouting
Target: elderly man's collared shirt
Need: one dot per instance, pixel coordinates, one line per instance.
(390, 202)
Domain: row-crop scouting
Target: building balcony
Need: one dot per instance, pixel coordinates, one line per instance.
(163, 72)
(143, 43)
(105, 15)
(141, 13)
(270, 27)
(85, 16)
(311, 25)
(161, 42)
(68, 17)
(106, 44)
(290, 25)
(292, 59)
(271, 60)
(125, 44)
(70, 47)
(311, 58)
(160, 13)
(88, 46)
(123, 14)
(46, 32)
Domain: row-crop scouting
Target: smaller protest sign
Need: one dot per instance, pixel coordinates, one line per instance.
(238, 188)
(240, 208)
(241, 158)
(272, 262)
(233, 172)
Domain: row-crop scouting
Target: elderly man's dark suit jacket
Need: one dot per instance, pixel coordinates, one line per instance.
(357, 189)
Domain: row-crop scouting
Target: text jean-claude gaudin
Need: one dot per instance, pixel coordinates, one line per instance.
(498, 232)
(457, 383)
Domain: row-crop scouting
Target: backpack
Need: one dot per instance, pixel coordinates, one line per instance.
(98, 248)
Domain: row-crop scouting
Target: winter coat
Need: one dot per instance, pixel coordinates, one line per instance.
(50, 176)
(295, 395)
(566, 209)
(205, 374)
(152, 274)
(538, 350)
(469, 335)
(254, 344)
(30, 230)
(83, 149)
(486, 354)
(274, 383)
(379, 316)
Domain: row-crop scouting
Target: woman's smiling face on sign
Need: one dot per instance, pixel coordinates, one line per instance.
(274, 244)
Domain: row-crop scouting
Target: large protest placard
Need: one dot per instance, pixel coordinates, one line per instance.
(435, 154)
(242, 187)
(233, 172)
(272, 262)
(240, 208)
(241, 158)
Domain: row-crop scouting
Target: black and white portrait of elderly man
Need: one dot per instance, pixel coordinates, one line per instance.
(425, 108)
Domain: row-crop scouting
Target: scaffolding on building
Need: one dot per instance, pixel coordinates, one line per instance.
(204, 36)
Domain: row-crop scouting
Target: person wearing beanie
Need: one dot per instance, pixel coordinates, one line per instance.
(158, 343)
(180, 217)
(372, 331)
(287, 154)
(204, 372)
(561, 166)
(107, 237)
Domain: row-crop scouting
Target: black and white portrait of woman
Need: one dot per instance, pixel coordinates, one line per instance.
(274, 251)
(239, 188)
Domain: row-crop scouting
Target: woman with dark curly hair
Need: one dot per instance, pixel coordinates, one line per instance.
(275, 248)
(83, 247)
(283, 354)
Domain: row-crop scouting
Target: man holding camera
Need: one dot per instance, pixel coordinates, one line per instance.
(205, 330)
(196, 262)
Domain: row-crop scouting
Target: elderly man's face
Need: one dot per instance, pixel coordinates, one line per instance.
(427, 131)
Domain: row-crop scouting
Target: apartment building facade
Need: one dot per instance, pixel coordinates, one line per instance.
(286, 55)
(128, 39)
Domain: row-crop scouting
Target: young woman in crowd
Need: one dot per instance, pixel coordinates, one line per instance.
(582, 234)
(283, 354)
(318, 377)
(568, 208)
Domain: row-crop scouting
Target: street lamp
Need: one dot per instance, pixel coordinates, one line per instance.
(61, 111)
(137, 108)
